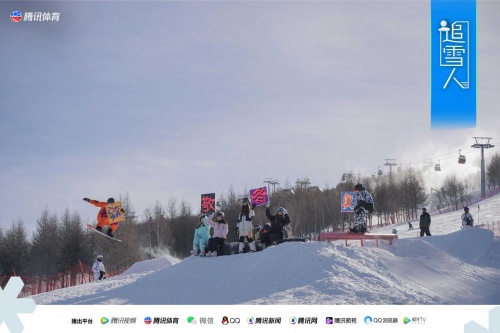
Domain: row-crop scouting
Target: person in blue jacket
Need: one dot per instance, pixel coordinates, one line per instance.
(201, 236)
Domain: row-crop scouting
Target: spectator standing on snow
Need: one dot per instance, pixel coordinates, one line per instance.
(98, 269)
(425, 223)
(467, 219)
(245, 226)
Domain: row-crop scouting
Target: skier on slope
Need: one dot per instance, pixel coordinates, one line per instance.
(201, 236)
(98, 269)
(216, 243)
(363, 207)
(278, 222)
(245, 227)
(467, 219)
(102, 216)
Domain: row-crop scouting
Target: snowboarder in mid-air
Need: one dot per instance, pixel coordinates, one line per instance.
(363, 207)
(102, 216)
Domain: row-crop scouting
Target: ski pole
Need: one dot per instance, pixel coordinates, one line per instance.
(478, 214)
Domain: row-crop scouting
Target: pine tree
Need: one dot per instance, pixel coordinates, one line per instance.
(14, 248)
(71, 240)
(45, 250)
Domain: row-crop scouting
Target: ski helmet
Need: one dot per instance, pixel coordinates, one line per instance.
(358, 187)
(466, 209)
(99, 257)
(282, 210)
(245, 201)
(220, 214)
(423, 208)
(111, 201)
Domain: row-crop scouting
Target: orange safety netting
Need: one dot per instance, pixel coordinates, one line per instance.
(76, 275)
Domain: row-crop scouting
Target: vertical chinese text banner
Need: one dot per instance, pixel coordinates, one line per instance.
(453, 64)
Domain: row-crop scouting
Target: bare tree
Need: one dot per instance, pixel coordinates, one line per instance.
(493, 170)
(452, 191)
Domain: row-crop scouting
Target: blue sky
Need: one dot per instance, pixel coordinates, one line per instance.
(175, 99)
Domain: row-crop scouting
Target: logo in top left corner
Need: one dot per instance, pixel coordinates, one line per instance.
(16, 16)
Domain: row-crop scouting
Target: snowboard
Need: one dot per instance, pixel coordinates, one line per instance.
(91, 227)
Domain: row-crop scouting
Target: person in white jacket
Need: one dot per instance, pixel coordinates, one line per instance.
(467, 219)
(98, 269)
(216, 243)
(245, 226)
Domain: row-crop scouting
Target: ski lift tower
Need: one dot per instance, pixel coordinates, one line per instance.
(302, 183)
(271, 181)
(347, 176)
(390, 162)
(482, 143)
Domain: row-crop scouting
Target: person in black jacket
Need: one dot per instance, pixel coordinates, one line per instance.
(425, 223)
(278, 221)
(363, 207)
(264, 235)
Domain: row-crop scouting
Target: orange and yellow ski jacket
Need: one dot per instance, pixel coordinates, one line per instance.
(102, 216)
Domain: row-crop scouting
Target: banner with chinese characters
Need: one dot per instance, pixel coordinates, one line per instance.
(259, 196)
(347, 202)
(208, 203)
(453, 64)
(114, 212)
(245, 318)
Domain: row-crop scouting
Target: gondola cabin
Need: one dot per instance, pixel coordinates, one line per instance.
(461, 158)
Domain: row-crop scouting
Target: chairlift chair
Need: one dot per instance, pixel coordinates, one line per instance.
(380, 172)
(437, 167)
(461, 158)
(399, 169)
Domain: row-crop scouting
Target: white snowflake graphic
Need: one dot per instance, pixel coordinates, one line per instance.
(494, 323)
(10, 305)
